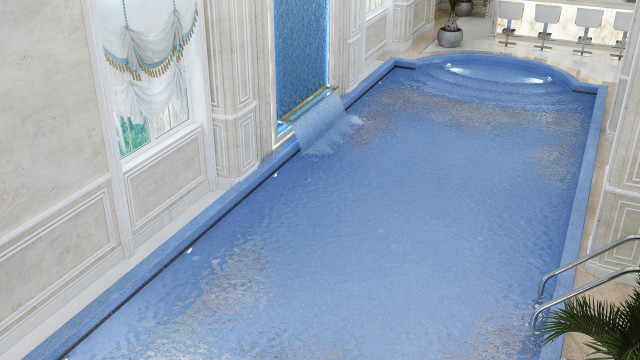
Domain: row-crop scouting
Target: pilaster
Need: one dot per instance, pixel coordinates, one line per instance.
(346, 55)
(619, 207)
(620, 98)
(410, 20)
(239, 47)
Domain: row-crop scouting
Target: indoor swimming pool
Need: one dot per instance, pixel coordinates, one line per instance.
(422, 235)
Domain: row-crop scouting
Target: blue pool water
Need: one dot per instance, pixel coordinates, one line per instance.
(423, 235)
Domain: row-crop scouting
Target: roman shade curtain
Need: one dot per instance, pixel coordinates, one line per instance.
(144, 40)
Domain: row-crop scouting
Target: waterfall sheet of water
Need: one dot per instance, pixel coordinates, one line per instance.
(324, 127)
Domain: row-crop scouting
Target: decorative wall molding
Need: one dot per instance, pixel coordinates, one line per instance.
(625, 212)
(140, 220)
(95, 196)
(182, 204)
(397, 24)
(618, 216)
(100, 75)
(242, 42)
(231, 45)
(356, 19)
(228, 183)
(377, 51)
(402, 46)
(622, 192)
(242, 125)
(629, 61)
(107, 196)
(354, 64)
(43, 217)
(213, 41)
(44, 313)
(410, 20)
(346, 55)
(617, 108)
(247, 140)
(600, 270)
(376, 33)
(237, 150)
(419, 18)
(232, 117)
(219, 134)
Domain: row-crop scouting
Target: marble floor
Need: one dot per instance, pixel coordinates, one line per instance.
(597, 68)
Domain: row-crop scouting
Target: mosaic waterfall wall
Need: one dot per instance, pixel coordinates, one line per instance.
(301, 42)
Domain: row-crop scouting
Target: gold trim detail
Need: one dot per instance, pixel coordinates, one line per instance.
(285, 119)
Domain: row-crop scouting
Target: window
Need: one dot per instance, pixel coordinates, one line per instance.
(139, 131)
(372, 4)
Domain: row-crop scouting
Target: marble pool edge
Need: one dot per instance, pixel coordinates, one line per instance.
(573, 240)
(73, 331)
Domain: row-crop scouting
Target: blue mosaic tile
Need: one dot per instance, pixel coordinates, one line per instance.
(301, 30)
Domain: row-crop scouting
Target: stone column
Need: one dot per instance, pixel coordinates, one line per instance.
(620, 98)
(240, 69)
(346, 60)
(410, 20)
(619, 207)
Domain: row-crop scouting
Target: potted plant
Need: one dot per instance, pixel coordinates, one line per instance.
(450, 35)
(615, 329)
(464, 8)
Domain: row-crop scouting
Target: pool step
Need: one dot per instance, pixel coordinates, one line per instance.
(447, 83)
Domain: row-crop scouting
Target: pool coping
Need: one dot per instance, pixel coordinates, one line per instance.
(57, 345)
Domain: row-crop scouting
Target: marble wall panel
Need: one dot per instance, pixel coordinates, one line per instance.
(620, 217)
(153, 185)
(41, 262)
(376, 33)
(51, 141)
(419, 15)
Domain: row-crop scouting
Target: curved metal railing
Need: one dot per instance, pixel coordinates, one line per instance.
(586, 257)
(580, 290)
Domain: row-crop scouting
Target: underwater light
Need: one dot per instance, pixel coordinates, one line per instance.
(457, 70)
(534, 81)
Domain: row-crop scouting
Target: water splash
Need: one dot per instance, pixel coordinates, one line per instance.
(321, 130)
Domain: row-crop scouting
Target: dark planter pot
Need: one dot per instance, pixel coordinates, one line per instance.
(449, 39)
(464, 8)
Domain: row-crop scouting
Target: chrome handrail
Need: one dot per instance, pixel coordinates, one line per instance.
(580, 290)
(586, 257)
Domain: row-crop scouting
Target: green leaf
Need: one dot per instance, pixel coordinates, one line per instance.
(615, 329)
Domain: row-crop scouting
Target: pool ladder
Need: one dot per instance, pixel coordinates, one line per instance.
(589, 286)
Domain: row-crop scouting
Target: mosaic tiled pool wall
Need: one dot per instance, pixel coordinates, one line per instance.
(301, 30)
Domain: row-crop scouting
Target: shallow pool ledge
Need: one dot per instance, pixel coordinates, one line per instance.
(126, 287)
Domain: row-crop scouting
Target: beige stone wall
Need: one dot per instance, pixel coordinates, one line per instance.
(619, 206)
(51, 141)
(57, 213)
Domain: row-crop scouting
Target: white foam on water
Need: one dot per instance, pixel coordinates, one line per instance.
(323, 128)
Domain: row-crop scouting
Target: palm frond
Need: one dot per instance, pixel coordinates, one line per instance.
(615, 330)
(583, 315)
